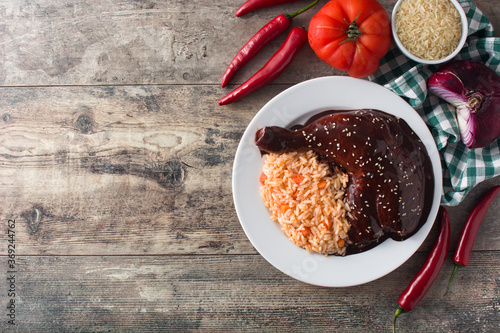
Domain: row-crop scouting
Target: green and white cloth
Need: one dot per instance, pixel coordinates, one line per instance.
(463, 168)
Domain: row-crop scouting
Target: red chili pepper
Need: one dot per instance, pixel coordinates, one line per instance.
(273, 68)
(251, 5)
(425, 277)
(469, 231)
(264, 36)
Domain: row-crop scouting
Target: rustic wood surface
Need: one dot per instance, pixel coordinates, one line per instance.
(115, 163)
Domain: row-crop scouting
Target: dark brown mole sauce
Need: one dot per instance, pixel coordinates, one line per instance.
(372, 221)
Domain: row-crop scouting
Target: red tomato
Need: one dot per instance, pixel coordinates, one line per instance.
(351, 35)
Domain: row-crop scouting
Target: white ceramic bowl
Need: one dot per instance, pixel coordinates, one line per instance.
(465, 30)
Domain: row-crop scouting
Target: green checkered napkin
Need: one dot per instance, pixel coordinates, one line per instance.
(463, 168)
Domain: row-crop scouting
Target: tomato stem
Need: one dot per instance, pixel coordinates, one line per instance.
(352, 31)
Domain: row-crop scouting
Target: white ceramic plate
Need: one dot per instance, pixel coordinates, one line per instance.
(296, 105)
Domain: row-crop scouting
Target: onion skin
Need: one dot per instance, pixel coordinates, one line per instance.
(474, 90)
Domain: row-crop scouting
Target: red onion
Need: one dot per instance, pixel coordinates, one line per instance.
(474, 90)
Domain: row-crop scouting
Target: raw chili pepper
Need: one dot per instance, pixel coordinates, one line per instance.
(273, 68)
(264, 36)
(422, 282)
(469, 231)
(252, 5)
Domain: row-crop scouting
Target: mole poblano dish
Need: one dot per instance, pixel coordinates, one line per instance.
(329, 252)
(386, 189)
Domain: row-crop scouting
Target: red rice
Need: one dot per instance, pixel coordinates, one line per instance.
(311, 217)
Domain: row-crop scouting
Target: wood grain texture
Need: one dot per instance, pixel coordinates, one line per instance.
(141, 169)
(116, 163)
(144, 42)
(220, 294)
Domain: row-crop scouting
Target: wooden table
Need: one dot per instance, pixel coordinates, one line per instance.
(116, 168)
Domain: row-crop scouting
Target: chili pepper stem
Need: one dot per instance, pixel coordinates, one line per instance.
(455, 270)
(300, 11)
(399, 311)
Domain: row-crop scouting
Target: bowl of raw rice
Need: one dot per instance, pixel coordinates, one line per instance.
(429, 31)
(308, 242)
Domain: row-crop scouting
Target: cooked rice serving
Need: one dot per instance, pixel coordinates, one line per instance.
(306, 198)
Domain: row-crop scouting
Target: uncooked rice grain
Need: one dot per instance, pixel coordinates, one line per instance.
(429, 29)
(311, 214)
